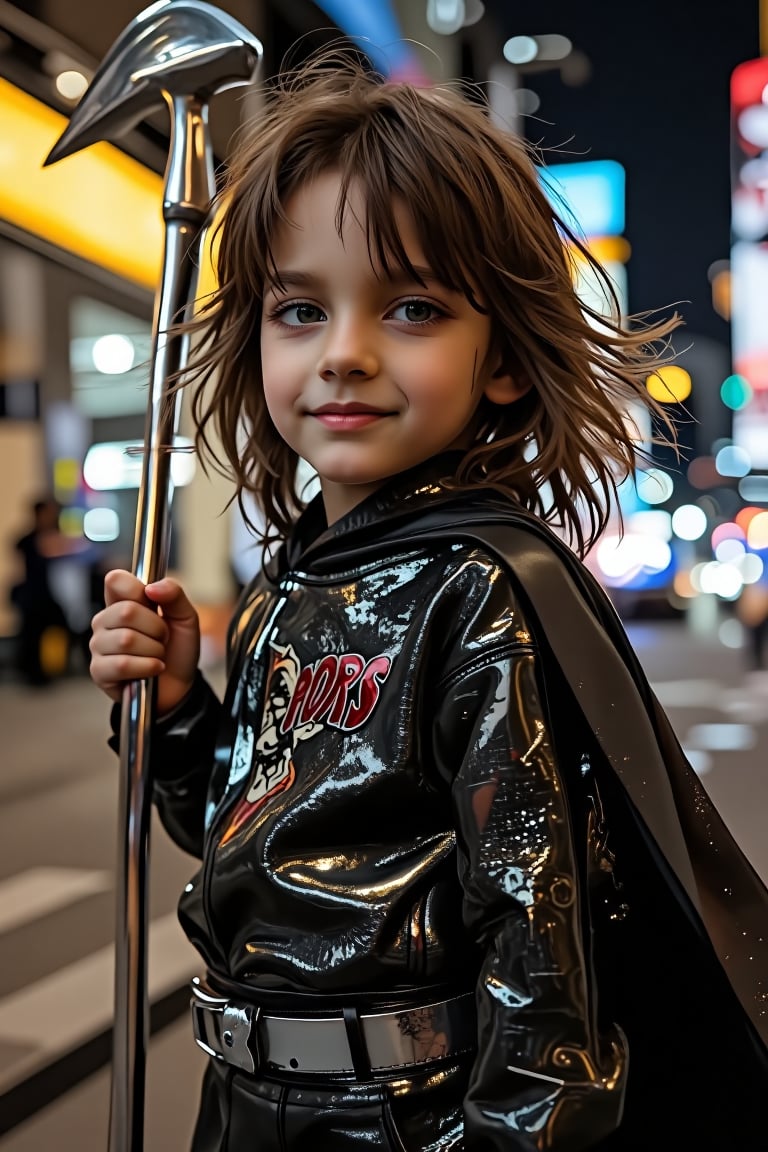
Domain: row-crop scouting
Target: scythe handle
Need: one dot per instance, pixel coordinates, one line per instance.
(189, 188)
(176, 53)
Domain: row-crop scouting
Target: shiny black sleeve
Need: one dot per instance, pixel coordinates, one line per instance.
(544, 1078)
(181, 762)
(183, 748)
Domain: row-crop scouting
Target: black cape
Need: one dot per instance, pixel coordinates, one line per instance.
(694, 988)
(686, 977)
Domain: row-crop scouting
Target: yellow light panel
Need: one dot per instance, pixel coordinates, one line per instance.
(605, 249)
(207, 279)
(100, 203)
(669, 384)
(610, 248)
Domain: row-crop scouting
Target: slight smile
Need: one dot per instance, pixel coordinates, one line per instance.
(348, 417)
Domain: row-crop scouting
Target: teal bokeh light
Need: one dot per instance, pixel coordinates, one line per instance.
(735, 392)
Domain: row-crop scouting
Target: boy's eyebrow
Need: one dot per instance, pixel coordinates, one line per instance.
(294, 278)
(419, 272)
(288, 279)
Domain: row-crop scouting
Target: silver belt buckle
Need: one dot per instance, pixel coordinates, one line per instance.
(235, 1028)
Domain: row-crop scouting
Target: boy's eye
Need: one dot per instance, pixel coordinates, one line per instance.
(297, 314)
(415, 312)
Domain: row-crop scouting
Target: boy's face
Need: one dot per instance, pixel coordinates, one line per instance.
(365, 376)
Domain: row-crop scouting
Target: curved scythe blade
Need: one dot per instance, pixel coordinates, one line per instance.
(177, 53)
(173, 47)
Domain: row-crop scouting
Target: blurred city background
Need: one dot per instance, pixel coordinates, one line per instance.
(652, 126)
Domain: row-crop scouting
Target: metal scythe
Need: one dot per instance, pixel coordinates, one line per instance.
(175, 54)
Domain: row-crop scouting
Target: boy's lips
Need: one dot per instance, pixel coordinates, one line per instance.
(353, 408)
(341, 417)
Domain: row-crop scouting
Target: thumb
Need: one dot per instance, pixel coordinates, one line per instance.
(170, 596)
(182, 646)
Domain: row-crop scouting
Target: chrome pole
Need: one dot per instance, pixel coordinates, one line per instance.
(178, 54)
(189, 188)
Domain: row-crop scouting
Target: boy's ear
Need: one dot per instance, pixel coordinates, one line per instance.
(506, 385)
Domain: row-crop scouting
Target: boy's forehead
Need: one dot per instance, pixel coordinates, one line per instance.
(323, 204)
(322, 213)
(328, 195)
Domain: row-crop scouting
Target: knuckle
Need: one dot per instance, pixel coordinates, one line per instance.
(126, 640)
(125, 612)
(122, 668)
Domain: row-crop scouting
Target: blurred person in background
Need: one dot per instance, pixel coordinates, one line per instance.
(44, 637)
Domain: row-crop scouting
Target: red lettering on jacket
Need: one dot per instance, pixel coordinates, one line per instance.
(350, 669)
(318, 699)
(303, 685)
(323, 689)
(375, 673)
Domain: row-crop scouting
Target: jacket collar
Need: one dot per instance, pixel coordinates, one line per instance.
(403, 496)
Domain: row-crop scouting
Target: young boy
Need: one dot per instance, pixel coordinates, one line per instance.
(459, 888)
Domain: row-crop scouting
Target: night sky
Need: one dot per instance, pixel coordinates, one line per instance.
(658, 102)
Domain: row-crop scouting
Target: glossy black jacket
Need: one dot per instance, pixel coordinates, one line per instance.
(400, 792)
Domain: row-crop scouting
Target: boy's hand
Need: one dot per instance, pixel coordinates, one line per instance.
(132, 641)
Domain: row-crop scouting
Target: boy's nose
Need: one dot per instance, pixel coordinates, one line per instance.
(348, 352)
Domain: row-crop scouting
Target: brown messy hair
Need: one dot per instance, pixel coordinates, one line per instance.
(488, 230)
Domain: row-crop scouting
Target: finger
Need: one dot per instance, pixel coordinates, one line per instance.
(126, 642)
(127, 614)
(122, 585)
(112, 673)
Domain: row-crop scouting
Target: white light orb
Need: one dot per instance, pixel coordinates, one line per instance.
(446, 16)
(520, 49)
(113, 354)
(753, 125)
(71, 84)
(689, 522)
(651, 522)
(724, 580)
(750, 566)
(101, 524)
(654, 486)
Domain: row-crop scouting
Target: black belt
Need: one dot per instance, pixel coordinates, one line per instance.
(349, 1043)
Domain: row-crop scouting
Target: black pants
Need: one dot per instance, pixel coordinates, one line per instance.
(241, 1113)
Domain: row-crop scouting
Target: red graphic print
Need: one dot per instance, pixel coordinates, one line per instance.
(341, 691)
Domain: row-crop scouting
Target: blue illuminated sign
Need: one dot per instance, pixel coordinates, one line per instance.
(375, 29)
(589, 194)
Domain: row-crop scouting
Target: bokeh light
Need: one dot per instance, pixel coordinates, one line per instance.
(101, 524)
(745, 516)
(728, 531)
(689, 522)
(729, 551)
(702, 472)
(622, 559)
(653, 522)
(669, 384)
(113, 354)
(654, 486)
(730, 633)
(733, 461)
(723, 580)
(750, 566)
(71, 84)
(735, 392)
(757, 532)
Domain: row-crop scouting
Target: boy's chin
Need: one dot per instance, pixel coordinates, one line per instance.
(364, 473)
